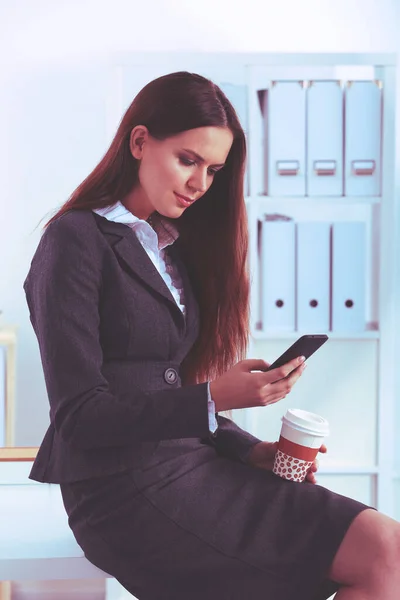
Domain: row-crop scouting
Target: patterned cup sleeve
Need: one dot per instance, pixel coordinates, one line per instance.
(288, 467)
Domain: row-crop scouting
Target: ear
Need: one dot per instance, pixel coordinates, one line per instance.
(139, 136)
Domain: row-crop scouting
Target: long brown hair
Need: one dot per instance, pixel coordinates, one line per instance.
(213, 238)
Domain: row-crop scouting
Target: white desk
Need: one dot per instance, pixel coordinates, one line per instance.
(35, 540)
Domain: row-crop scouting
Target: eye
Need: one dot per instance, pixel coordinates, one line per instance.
(190, 163)
(186, 161)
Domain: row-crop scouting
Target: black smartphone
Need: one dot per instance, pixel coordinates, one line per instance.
(306, 345)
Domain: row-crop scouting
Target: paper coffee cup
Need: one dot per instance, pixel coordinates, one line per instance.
(302, 434)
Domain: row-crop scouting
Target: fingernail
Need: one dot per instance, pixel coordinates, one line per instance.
(302, 359)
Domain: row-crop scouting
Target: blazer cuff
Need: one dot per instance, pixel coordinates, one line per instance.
(212, 421)
(232, 441)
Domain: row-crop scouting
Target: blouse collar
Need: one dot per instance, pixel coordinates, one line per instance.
(166, 232)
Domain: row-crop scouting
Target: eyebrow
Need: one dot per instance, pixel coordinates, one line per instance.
(200, 158)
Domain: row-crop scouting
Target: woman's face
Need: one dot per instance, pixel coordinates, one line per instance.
(182, 165)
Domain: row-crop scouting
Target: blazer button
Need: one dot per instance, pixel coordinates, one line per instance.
(170, 376)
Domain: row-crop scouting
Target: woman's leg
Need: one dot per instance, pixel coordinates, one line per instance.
(367, 563)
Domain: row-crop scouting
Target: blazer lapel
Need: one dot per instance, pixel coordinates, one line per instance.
(192, 308)
(126, 245)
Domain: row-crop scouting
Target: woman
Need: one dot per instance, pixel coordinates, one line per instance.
(139, 296)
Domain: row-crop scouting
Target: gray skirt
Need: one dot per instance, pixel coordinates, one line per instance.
(193, 525)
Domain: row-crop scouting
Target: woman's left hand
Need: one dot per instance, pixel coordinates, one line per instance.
(262, 455)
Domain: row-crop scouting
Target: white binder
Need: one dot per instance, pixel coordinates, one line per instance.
(262, 132)
(278, 275)
(348, 276)
(313, 276)
(286, 138)
(325, 138)
(237, 95)
(2, 396)
(363, 138)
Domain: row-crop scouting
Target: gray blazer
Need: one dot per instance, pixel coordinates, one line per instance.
(112, 339)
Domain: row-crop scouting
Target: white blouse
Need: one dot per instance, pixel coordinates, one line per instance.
(154, 242)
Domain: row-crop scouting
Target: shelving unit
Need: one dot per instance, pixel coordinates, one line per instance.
(351, 381)
(376, 404)
(8, 343)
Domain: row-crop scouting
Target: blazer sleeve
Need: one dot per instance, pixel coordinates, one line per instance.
(63, 290)
(232, 441)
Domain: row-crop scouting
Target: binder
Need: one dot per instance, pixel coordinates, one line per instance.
(363, 108)
(287, 138)
(348, 276)
(325, 138)
(262, 132)
(278, 275)
(237, 95)
(313, 276)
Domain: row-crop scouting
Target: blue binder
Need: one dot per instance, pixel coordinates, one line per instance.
(278, 275)
(313, 276)
(348, 276)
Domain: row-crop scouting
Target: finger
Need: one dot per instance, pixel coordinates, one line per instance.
(310, 478)
(284, 370)
(272, 398)
(285, 385)
(281, 388)
(296, 374)
(323, 449)
(291, 379)
(254, 364)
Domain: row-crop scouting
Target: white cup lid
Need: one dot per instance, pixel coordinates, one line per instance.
(302, 420)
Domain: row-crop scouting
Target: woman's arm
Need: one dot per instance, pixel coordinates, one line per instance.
(232, 441)
(63, 292)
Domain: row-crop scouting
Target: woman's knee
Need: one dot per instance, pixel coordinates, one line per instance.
(369, 550)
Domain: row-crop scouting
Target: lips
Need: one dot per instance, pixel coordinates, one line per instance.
(184, 200)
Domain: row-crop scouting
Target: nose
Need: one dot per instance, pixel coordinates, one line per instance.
(198, 181)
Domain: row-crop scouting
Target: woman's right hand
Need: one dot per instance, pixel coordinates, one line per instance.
(240, 387)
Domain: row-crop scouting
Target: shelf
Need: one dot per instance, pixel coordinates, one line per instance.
(281, 59)
(347, 470)
(352, 470)
(291, 201)
(337, 335)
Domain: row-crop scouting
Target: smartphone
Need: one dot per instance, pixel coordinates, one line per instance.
(306, 345)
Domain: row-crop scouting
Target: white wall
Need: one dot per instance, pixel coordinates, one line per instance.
(53, 57)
